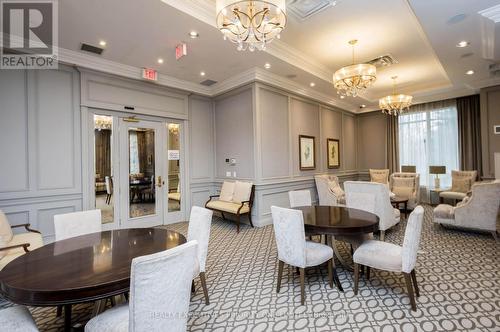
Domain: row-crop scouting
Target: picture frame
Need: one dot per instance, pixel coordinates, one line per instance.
(307, 155)
(333, 153)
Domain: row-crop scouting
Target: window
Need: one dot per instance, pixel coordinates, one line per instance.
(429, 136)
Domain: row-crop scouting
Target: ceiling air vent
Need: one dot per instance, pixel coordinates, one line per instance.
(383, 61)
(208, 82)
(91, 49)
(304, 9)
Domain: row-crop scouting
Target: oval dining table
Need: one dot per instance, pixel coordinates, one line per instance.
(81, 269)
(338, 221)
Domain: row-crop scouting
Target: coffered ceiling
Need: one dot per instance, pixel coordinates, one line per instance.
(420, 35)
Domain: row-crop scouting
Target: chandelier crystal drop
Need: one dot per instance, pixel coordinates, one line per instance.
(251, 24)
(395, 104)
(351, 80)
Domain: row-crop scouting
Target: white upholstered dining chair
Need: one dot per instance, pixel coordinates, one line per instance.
(77, 223)
(17, 319)
(200, 221)
(160, 288)
(294, 250)
(372, 197)
(330, 192)
(300, 198)
(391, 257)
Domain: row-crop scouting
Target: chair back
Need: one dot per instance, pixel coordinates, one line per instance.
(472, 175)
(481, 209)
(160, 289)
(77, 223)
(379, 175)
(200, 221)
(372, 197)
(300, 198)
(290, 236)
(325, 194)
(109, 185)
(412, 239)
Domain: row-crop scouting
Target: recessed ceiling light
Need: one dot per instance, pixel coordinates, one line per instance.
(267, 66)
(160, 61)
(312, 84)
(202, 73)
(194, 34)
(342, 97)
(102, 43)
(362, 106)
(463, 43)
(470, 72)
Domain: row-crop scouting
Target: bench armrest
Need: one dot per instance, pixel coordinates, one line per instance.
(27, 227)
(23, 245)
(243, 204)
(210, 198)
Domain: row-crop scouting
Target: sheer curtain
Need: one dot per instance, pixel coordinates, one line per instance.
(428, 135)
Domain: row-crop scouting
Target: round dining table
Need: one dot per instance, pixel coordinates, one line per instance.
(81, 269)
(338, 222)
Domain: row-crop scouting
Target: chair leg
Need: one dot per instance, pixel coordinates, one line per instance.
(367, 273)
(495, 237)
(382, 235)
(356, 278)
(238, 225)
(250, 218)
(204, 286)
(330, 273)
(302, 281)
(59, 311)
(409, 286)
(193, 288)
(414, 279)
(280, 274)
(223, 216)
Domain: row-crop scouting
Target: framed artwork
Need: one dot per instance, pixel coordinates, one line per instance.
(333, 152)
(306, 153)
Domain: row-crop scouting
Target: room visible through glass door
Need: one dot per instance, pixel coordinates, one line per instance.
(174, 170)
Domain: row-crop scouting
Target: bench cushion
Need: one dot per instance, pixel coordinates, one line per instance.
(452, 195)
(227, 191)
(242, 191)
(34, 239)
(229, 207)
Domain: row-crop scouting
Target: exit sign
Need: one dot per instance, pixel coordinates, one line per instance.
(149, 74)
(180, 51)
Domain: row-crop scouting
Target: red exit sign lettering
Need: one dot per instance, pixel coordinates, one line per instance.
(180, 51)
(149, 74)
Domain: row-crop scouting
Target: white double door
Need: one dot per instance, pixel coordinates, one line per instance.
(143, 153)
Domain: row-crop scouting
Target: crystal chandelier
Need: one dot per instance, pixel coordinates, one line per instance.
(251, 24)
(395, 104)
(350, 80)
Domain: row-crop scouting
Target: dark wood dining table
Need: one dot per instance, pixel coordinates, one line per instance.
(338, 222)
(82, 269)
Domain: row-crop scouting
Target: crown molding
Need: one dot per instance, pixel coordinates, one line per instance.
(203, 10)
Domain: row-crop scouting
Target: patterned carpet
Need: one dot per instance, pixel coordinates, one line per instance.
(458, 274)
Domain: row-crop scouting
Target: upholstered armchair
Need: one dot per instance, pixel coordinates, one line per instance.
(379, 176)
(329, 190)
(394, 258)
(479, 211)
(372, 197)
(406, 185)
(461, 183)
(160, 289)
(200, 221)
(15, 245)
(294, 250)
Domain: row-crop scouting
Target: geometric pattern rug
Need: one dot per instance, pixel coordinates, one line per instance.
(458, 274)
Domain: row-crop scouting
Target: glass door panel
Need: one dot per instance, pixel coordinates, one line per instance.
(174, 173)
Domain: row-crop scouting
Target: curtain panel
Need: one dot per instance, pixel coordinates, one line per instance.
(103, 153)
(469, 133)
(393, 143)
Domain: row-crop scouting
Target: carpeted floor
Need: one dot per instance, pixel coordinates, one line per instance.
(458, 274)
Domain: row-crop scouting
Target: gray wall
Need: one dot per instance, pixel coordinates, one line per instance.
(372, 140)
(490, 116)
(40, 145)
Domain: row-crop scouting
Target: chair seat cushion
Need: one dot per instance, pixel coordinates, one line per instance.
(229, 207)
(452, 195)
(17, 319)
(397, 213)
(444, 211)
(175, 196)
(317, 253)
(379, 255)
(112, 320)
(34, 239)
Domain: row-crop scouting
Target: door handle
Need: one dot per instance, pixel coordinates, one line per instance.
(159, 182)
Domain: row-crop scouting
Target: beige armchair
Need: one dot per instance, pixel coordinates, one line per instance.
(329, 190)
(15, 245)
(379, 176)
(406, 185)
(478, 211)
(461, 183)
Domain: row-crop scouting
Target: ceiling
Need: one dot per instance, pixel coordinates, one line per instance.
(420, 35)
